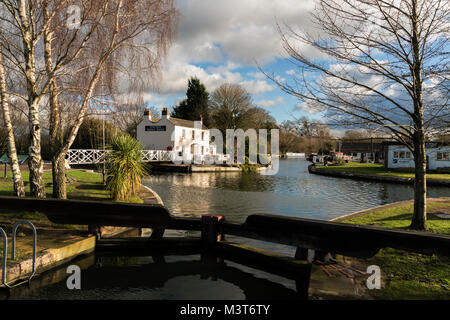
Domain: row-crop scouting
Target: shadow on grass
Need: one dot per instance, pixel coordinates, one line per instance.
(408, 216)
(88, 197)
(405, 216)
(98, 186)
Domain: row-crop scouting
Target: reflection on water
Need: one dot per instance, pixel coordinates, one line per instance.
(291, 192)
(193, 277)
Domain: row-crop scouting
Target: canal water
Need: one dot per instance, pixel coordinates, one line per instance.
(291, 192)
(177, 277)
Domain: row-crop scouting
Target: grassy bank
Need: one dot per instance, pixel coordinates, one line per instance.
(409, 275)
(377, 170)
(82, 185)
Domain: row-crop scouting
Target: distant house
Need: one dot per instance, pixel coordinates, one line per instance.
(185, 137)
(363, 151)
(398, 156)
(22, 158)
(4, 159)
(295, 155)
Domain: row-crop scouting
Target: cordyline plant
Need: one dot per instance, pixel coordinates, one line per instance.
(124, 167)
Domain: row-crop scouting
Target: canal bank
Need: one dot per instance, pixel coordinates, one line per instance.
(328, 171)
(407, 275)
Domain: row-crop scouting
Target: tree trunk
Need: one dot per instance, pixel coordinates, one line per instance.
(35, 163)
(19, 189)
(55, 126)
(59, 177)
(419, 221)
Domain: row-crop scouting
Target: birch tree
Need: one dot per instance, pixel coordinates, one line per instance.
(58, 51)
(377, 64)
(112, 40)
(19, 189)
(21, 31)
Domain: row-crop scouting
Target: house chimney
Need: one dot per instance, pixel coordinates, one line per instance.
(165, 112)
(201, 119)
(148, 113)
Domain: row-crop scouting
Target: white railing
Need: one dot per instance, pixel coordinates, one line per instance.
(85, 156)
(94, 156)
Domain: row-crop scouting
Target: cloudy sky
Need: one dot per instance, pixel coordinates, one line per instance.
(222, 41)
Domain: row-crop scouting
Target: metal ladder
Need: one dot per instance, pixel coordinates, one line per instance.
(13, 249)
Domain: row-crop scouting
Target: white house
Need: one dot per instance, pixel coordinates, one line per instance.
(186, 138)
(398, 156)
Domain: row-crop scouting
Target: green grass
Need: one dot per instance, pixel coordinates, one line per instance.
(377, 170)
(409, 275)
(87, 186)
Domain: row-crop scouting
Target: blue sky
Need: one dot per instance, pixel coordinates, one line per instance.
(222, 42)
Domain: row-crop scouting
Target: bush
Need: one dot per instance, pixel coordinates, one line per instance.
(124, 167)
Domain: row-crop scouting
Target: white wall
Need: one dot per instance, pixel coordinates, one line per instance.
(155, 140)
(433, 163)
(393, 163)
(160, 140)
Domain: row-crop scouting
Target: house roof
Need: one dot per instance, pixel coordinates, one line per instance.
(185, 123)
(180, 122)
(428, 144)
(361, 147)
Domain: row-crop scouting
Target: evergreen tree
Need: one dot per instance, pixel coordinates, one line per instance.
(195, 104)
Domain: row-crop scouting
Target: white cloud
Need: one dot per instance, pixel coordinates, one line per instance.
(270, 103)
(256, 86)
(290, 72)
(231, 33)
(256, 75)
(245, 30)
(175, 76)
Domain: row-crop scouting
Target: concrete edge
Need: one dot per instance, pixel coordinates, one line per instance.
(158, 198)
(50, 258)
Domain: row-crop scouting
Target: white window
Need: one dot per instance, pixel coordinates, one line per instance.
(402, 155)
(443, 156)
(203, 136)
(193, 134)
(183, 133)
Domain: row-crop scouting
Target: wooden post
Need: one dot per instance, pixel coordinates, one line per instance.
(95, 230)
(322, 256)
(220, 235)
(6, 172)
(301, 253)
(210, 229)
(157, 233)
